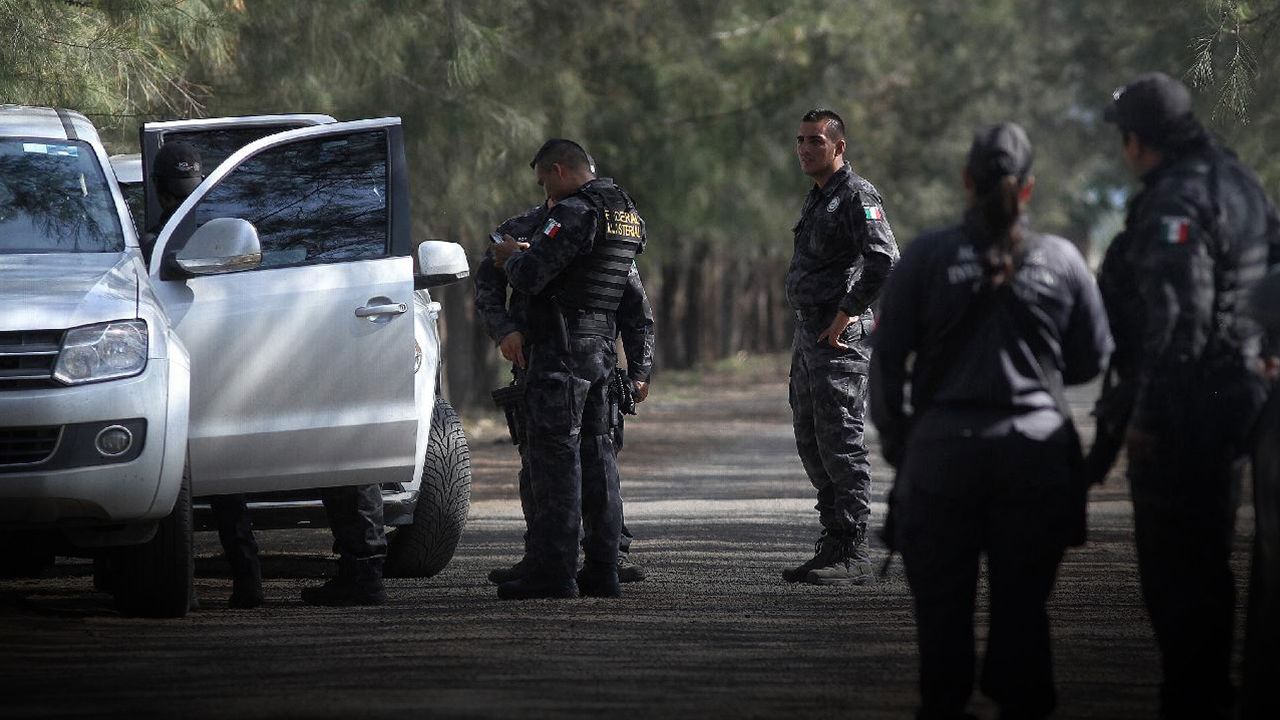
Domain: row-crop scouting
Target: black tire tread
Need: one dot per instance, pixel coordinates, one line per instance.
(425, 548)
(155, 579)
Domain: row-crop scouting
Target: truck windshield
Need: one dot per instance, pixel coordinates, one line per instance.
(54, 198)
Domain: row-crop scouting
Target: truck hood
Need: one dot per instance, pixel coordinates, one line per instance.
(63, 290)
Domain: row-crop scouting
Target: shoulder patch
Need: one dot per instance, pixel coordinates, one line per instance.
(1176, 229)
(873, 213)
(835, 203)
(551, 229)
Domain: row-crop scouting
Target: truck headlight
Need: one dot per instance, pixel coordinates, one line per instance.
(106, 351)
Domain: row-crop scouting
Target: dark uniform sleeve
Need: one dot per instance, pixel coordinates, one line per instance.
(572, 227)
(893, 342)
(867, 220)
(635, 324)
(1087, 340)
(1175, 287)
(491, 299)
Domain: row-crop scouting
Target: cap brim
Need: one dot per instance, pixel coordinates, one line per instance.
(180, 186)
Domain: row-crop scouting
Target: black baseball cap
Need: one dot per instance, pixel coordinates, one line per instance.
(998, 151)
(177, 168)
(560, 145)
(1153, 106)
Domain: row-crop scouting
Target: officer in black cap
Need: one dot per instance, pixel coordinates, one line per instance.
(998, 318)
(575, 271)
(1187, 386)
(176, 172)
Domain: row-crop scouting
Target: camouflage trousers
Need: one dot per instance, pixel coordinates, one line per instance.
(828, 394)
(566, 396)
(594, 485)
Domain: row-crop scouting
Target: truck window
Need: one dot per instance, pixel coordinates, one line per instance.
(312, 201)
(54, 198)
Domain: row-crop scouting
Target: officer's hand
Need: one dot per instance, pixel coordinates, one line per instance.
(832, 334)
(504, 250)
(512, 347)
(1271, 367)
(639, 390)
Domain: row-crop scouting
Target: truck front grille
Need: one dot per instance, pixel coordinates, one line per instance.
(27, 446)
(27, 358)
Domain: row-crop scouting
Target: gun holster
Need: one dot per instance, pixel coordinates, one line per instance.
(511, 400)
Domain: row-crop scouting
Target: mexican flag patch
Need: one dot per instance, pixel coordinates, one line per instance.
(873, 213)
(551, 229)
(1176, 229)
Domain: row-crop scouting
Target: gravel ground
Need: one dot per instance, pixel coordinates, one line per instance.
(719, 504)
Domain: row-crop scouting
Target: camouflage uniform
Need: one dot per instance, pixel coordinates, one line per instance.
(1261, 652)
(571, 357)
(844, 250)
(1195, 238)
(502, 316)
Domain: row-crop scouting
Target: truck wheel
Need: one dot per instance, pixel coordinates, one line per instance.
(21, 558)
(424, 548)
(155, 579)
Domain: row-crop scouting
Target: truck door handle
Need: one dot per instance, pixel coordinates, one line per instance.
(369, 311)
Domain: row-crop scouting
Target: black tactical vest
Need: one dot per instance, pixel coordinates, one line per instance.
(595, 282)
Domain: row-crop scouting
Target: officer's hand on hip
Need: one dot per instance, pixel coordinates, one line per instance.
(512, 347)
(832, 334)
(504, 250)
(639, 390)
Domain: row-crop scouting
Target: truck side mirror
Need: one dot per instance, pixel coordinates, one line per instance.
(222, 245)
(440, 263)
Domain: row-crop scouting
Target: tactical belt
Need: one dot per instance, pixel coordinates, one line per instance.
(805, 314)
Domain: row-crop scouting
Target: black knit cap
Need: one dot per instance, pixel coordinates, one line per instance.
(177, 168)
(999, 151)
(1154, 106)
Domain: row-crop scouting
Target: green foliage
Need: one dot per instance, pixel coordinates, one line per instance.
(109, 58)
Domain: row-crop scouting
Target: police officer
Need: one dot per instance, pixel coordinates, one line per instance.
(998, 319)
(575, 272)
(176, 172)
(506, 322)
(1261, 652)
(1195, 239)
(844, 250)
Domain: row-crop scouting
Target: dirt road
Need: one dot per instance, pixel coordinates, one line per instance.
(718, 503)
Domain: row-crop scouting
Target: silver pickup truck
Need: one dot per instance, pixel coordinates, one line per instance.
(279, 339)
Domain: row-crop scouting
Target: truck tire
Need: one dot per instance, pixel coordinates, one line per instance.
(155, 579)
(424, 548)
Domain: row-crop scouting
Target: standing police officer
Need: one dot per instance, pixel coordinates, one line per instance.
(176, 172)
(998, 319)
(844, 250)
(506, 320)
(575, 271)
(1195, 238)
(1261, 651)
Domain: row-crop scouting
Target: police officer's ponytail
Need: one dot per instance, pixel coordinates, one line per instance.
(1000, 211)
(999, 166)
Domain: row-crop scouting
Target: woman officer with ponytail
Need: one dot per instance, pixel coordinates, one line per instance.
(986, 321)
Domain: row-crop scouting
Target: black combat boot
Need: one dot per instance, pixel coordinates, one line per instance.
(246, 591)
(536, 585)
(497, 576)
(599, 580)
(850, 564)
(629, 572)
(359, 582)
(823, 551)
